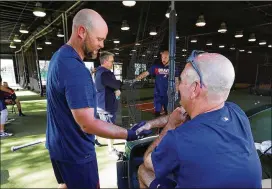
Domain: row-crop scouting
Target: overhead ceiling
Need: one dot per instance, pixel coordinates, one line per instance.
(248, 16)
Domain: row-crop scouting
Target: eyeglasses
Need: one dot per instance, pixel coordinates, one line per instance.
(191, 59)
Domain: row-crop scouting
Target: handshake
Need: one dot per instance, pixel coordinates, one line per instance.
(138, 131)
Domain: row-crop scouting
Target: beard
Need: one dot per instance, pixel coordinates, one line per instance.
(88, 53)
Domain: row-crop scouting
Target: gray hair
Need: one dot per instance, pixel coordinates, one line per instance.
(105, 56)
(82, 18)
(217, 73)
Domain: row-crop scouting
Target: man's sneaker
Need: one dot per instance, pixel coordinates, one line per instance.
(21, 114)
(5, 134)
(114, 153)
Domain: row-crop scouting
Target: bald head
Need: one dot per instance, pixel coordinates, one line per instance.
(165, 57)
(89, 19)
(217, 73)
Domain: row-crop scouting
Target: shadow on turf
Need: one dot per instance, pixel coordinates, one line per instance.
(4, 176)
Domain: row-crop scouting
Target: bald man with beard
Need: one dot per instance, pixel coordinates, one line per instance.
(71, 106)
(160, 72)
(207, 142)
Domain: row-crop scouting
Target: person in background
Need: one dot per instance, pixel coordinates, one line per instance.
(108, 93)
(13, 98)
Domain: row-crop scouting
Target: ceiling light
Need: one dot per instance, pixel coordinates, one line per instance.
(129, 3)
(262, 42)
(167, 14)
(153, 31)
(38, 10)
(143, 55)
(252, 38)
(221, 46)
(137, 44)
(125, 25)
(193, 40)
(116, 53)
(249, 52)
(16, 39)
(223, 28)
(184, 55)
(130, 54)
(232, 48)
(60, 33)
(177, 36)
(23, 29)
(117, 49)
(12, 45)
(242, 50)
(200, 21)
(184, 50)
(155, 56)
(209, 43)
(133, 50)
(270, 46)
(116, 41)
(47, 41)
(238, 34)
(39, 47)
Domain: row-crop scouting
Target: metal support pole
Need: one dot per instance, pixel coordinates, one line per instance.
(172, 52)
(236, 66)
(65, 28)
(38, 68)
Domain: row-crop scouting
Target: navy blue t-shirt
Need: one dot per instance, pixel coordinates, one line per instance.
(213, 150)
(161, 73)
(69, 86)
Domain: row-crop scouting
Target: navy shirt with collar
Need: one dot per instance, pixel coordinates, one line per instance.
(213, 150)
(69, 86)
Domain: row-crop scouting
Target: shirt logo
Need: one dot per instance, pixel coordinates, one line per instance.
(162, 71)
(225, 119)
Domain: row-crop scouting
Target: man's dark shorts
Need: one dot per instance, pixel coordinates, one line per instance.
(81, 176)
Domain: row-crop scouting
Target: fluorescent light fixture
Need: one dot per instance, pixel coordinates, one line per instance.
(60, 33)
(238, 34)
(137, 44)
(38, 10)
(252, 38)
(249, 52)
(23, 29)
(200, 21)
(221, 46)
(116, 41)
(16, 39)
(184, 50)
(232, 48)
(129, 3)
(241, 50)
(223, 28)
(125, 25)
(153, 31)
(155, 56)
(269, 46)
(167, 14)
(262, 42)
(193, 40)
(12, 45)
(209, 43)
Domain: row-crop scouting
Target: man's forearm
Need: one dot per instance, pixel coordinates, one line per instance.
(105, 130)
(142, 75)
(2, 88)
(159, 122)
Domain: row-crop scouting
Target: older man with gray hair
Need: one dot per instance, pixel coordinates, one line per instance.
(207, 142)
(108, 93)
